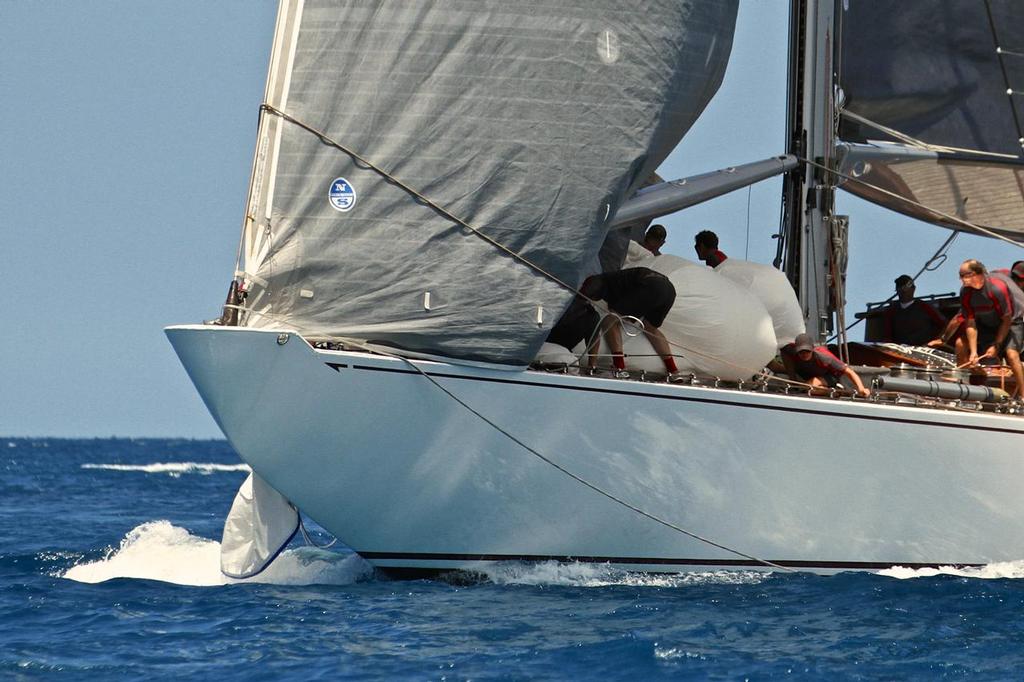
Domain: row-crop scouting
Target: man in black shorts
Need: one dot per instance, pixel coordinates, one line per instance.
(636, 292)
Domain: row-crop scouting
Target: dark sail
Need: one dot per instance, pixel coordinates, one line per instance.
(527, 121)
(934, 104)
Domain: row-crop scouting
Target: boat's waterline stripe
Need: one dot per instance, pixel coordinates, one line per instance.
(777, 408)
(658, 561)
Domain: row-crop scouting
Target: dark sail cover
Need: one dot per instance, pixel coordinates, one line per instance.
(941, 84)
(529, 121)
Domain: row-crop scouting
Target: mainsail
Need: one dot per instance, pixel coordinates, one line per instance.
(401, 143)
(934, 108)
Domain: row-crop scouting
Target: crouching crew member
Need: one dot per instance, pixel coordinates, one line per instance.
(636, 292)
(817, 366)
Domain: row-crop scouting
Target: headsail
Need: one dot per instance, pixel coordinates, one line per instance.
(529, 122)
(939, 84)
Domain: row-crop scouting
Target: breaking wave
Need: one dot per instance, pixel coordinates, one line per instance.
(173, 469)
(158, 550)
(605, 575)
(1001, 569)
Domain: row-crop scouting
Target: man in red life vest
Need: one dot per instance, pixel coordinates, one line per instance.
(910, 320)
(706, 246)
(817, 366)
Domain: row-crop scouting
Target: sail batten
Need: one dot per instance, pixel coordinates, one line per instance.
(529, 122)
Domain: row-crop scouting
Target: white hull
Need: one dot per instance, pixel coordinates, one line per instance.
(409, 478)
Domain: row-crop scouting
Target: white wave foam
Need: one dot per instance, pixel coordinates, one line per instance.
(158, 550)
(605, 575)
(1002, 569)
(174, 469)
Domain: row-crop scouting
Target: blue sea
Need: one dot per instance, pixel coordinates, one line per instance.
(109, 569)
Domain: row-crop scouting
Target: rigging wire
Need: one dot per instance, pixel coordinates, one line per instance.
(746, 246)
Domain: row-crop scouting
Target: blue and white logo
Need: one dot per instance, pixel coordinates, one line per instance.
(342, 195)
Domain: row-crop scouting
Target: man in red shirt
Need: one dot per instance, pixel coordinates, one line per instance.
(817, 366)
(991, 305)
(706, 246)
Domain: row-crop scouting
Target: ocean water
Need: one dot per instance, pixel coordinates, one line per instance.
(109, 569)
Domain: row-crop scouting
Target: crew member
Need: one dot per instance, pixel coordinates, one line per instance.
(817, 366)
(636, 292)
(654, 239)
(910, 320)
(992, 318)
(706, 246)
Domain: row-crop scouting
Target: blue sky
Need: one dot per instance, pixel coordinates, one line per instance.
(128, 135)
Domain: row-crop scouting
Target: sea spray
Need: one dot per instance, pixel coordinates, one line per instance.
(159, 550)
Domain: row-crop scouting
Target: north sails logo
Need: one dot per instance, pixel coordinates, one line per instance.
(342, 195)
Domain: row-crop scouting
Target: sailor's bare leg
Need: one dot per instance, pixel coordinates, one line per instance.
(961, 352)
(818, 386)
(661, 346)
(612, 332)
(1013, 359)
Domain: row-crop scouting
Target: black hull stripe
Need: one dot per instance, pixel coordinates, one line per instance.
(659, 561)
(710, 401)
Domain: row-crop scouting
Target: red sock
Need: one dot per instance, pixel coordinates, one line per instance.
(670, 364)
(619, 360)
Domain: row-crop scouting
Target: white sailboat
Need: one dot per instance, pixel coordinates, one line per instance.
(429, 188)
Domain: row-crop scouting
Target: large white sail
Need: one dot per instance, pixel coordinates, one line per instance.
(529, 122)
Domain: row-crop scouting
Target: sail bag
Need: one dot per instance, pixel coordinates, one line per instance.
(775, 292)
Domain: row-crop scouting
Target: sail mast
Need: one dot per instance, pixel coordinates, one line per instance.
(809, 193)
